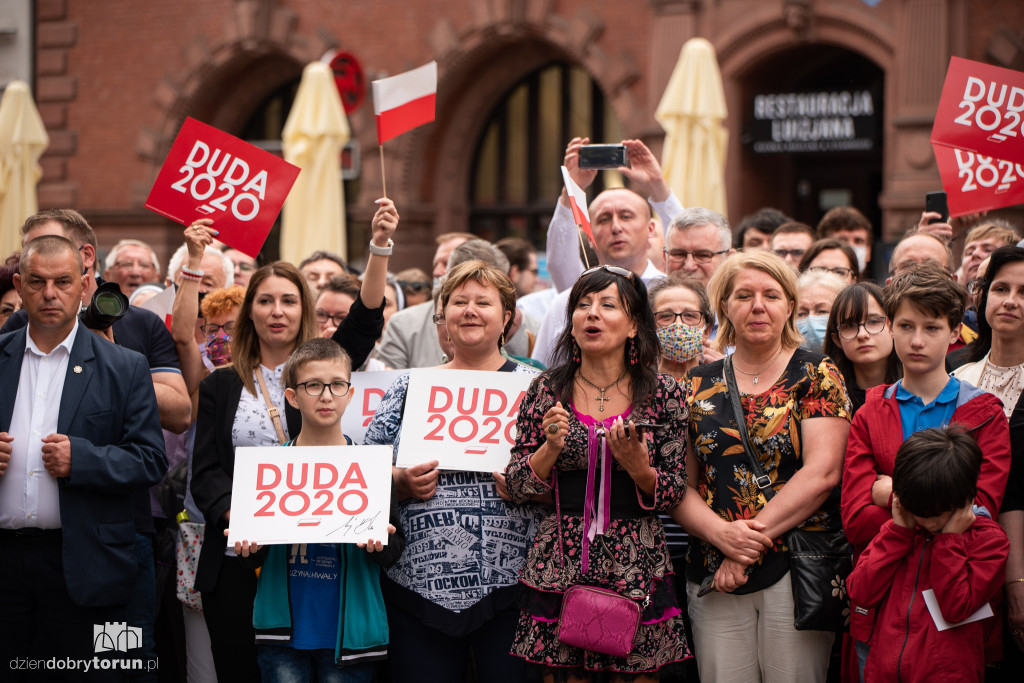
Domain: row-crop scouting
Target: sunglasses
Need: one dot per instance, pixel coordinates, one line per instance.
(614, 270)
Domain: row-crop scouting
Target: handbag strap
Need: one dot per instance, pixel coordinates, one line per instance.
(271, 408)
(762, 480)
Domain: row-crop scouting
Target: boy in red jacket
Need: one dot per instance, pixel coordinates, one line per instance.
(935, 543)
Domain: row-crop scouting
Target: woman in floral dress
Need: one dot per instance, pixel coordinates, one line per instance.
(603, 379)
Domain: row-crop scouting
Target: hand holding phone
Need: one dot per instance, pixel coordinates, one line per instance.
(602, 156)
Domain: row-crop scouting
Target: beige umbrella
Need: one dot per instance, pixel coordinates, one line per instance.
(691, 111)
(23, 140)
(316, 130)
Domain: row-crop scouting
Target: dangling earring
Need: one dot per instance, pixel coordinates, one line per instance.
(632, 351)
(575, 352)
(501, 342)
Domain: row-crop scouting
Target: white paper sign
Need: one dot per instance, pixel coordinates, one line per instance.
(464, 419)
(310, 494)
(370, 388)
(984, 612)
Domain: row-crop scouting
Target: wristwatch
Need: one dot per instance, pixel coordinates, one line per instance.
(382, 251)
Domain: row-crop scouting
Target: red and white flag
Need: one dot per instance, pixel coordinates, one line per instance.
(404, 101)
(578, 203)
(162, 304)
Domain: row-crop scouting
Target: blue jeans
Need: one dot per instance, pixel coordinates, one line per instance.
(283, 664)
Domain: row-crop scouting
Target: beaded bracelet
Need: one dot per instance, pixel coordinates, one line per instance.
(190, 275)
(185, 270)
(1020, 580)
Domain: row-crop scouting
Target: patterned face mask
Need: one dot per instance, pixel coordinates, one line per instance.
(218, 350)
(680, 342)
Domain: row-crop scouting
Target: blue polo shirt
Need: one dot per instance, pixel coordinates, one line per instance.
(915, 415)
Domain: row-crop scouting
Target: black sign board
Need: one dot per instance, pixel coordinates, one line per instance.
(825, 121)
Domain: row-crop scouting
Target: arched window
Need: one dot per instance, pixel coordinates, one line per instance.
(516, 178)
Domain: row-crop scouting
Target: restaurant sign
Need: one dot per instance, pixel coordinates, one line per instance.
(827, 121)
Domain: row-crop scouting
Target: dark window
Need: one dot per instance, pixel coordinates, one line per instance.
(516, 178)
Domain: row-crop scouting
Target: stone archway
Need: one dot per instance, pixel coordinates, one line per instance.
(222, 83)
(432, 165)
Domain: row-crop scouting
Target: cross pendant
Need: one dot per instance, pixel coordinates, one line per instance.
(602, 399)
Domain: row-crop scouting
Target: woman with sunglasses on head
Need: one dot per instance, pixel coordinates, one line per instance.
(244, 405)
(435, 625)
(997, 366)
(739, 588)
(859, 341)
(578, 416)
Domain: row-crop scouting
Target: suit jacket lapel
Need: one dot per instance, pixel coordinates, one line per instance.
(76, 381)
(11, 356)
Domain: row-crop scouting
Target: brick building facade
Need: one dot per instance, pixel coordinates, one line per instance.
(115, 79)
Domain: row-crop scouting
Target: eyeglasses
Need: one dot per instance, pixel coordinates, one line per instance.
(849, 331)
(315, 387)
(797, 254)
(323, 316)
(701, 256)
(414, 285)
(438, 318)
(614, 270)
(841, 272)
(212, 329)
(690, 318)
(128, 265)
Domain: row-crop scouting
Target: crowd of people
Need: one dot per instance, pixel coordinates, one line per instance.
(704, 402)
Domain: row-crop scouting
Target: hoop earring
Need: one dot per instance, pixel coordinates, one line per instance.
(632, 351)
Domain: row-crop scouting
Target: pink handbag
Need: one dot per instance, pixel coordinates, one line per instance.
(592, 618)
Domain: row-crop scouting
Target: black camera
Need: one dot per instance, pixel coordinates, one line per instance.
(108, 305)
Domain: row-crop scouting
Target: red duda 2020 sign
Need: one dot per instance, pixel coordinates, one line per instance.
(210, 174)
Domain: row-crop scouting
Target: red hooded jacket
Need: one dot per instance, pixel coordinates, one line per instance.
(965, 571)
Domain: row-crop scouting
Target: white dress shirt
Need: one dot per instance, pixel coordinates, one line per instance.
(563, 243)
(28, 494)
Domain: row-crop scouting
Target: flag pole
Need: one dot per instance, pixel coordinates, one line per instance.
(383, 181)
(583, 248)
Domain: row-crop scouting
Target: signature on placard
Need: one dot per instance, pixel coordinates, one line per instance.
(356, 525)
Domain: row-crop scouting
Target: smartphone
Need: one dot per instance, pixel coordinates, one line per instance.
(707, 586)
(936, 201)
(602, 156)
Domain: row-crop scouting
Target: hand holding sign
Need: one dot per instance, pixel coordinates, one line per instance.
(209, 173)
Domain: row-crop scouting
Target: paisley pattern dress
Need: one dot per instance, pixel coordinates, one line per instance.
(631, 558)
(811, 386)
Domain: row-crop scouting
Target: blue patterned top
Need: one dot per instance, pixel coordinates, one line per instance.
(465, 542)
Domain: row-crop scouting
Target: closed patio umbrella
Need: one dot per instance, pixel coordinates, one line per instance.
(314, 134)
(23, 140)
(692, 111)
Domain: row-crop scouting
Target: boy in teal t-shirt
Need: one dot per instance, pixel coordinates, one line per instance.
(319, 605)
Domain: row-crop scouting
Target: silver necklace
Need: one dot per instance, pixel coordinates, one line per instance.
(602, 398)
(755, 374)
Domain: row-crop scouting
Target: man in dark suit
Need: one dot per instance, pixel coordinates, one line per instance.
(79, 433)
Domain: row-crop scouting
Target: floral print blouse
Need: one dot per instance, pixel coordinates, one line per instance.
(811, 386)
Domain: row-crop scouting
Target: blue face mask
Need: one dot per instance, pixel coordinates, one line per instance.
(814, 328)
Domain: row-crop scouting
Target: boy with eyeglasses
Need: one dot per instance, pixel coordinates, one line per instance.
(924, 307)
(319, 605)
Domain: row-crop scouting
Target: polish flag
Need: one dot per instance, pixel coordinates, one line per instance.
(404, 101)
(162, 304)
(578, 203)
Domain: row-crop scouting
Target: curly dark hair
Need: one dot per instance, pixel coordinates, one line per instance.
(633, 295)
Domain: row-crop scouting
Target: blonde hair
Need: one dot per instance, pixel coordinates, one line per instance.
(723, 281)
(245, 345)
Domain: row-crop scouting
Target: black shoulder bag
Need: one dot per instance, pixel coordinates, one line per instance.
(819, 561)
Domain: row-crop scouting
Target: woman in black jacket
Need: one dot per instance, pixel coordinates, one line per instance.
(241, 405)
